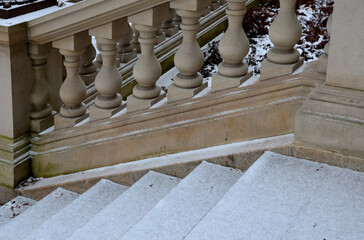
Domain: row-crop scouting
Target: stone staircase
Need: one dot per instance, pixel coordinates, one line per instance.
(279, 197)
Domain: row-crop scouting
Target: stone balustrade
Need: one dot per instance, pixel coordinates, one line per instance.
(124, 31)
(118, 41)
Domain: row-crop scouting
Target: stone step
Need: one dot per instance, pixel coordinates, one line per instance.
(120, 215)
(14, 208)
(76, 214)
(176, 214)
(282, 197)
(40, 212)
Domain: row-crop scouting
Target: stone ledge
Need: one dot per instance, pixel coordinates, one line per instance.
(239, 155)
(256, 111)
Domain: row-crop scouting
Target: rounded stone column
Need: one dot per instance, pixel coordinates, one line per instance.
(73, 89)
(41, 111)
(323, 60)
(147, 71)
(188, 59)
(177, 20)
(284, 33)
(88, 70)
(233, 47)
(108, 81)
(126, 52)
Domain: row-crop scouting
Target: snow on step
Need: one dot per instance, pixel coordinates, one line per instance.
(37, 214)
(14, 208)
(282, 197)
(176, 214)
(63, 224)
(113, 221)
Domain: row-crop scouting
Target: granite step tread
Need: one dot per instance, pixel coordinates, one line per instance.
(40, 212)
(283, 197)
(14, 208)
(120, 215)
(76, 214)
(185, 205)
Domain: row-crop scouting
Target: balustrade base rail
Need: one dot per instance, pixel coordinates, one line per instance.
(267, 108)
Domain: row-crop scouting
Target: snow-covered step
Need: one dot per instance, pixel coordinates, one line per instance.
(113, 221)
(40, 212)
(14, 208)
(282, 197)
(76, 214)
(176, 214)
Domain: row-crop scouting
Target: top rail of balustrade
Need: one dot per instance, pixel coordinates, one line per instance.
(79, 17)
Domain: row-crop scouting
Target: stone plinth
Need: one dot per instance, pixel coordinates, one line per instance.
(271, 70)
(220, 82)
(136, 104)
(176, 94)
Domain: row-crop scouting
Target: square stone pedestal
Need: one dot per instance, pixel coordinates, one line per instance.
(127, 56)
(39, 125)
(272, 70)
(176, 94)
(169, 32)
(61, 122)
(137, 104)
(220, 82)
(333, 119)
(97, 113)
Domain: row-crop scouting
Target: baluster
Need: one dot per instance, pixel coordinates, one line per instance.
(169, 27)
(73, 90)
(160, 36)
(323, 60)
(189, 57)
(126, 52)
(285, 32)
(109, 80)
(41, 116)
(134, 42)
(215, 4)
(206, 11)
(177, 20)
(147, 70)
(88, 70)
(233, 47)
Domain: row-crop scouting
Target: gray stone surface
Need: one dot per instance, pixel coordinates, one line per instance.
(28, 221)
(119, 216)
(14, 208)
(282, 197)
(63, 224)
(176, 214)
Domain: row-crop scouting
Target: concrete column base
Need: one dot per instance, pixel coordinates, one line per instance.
(127, 56)
(220, 82)
(177, 94)
(97, 113)
(169, 32)
(135, 104)
(271, 70)
(61, 122)
(14, 161)
(39, 125)
(333, 119)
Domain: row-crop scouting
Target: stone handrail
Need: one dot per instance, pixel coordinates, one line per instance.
(83, 16)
